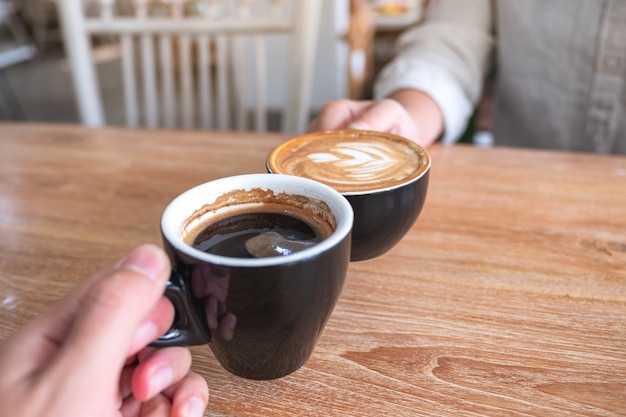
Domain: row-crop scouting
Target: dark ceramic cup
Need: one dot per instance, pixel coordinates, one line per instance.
(383, 176)
(261, 317)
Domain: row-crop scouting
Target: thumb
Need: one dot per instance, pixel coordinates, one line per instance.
(111, 311)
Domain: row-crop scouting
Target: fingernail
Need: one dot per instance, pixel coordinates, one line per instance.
(195, 408)
(148, 260)
(145, 333)
(360, 126)
(160, 380)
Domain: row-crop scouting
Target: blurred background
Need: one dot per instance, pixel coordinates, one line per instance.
(355, 40)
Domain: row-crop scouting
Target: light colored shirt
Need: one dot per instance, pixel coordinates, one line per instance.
(560, 69)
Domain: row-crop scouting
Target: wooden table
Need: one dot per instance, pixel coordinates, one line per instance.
(508, 296)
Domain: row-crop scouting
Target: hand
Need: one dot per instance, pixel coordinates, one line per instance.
(88, 356)
(386, 115)
(410, 113)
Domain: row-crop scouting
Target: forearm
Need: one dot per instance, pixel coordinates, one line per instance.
(424, 111)
(445, 58)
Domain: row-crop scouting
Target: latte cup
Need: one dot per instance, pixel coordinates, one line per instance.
(261, 316)
(383, 176)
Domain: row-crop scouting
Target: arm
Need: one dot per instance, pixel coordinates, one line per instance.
(430, 89)
(446, 57)
(424, 111)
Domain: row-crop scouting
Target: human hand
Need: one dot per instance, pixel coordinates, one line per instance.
(385, 115)
(410, 113)
(88, 356)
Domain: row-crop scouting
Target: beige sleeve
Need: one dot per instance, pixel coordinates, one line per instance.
(447, 57)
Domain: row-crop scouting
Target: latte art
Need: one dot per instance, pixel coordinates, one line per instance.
(362, 161)
(350, 161)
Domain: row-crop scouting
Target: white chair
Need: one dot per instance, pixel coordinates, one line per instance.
(192, 58)
(19, 48)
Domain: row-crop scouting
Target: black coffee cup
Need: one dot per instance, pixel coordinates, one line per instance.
(261, 317)
(383, 176)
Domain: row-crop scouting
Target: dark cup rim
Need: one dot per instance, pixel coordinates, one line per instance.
(420, 172)
(184, 205)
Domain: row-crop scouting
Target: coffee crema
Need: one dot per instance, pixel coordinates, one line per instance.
(351, 160)
(231, 235)
(224, 226)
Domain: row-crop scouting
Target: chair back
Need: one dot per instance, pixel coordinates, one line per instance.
(186, 63)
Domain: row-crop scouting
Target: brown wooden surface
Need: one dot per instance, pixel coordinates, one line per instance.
(508, 296)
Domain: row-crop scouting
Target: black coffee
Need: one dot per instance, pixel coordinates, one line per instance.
(231, 236)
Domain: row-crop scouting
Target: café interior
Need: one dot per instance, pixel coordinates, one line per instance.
(353, 40)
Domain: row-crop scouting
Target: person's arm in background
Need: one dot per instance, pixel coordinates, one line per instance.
(430, 89)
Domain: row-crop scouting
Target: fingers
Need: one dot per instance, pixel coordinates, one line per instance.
(158, 406)
(386, 116)
(190, 397)
(158, 369)
(166, 371)
(338, 114)
(37, 344)
(111, 312)
(158, 321)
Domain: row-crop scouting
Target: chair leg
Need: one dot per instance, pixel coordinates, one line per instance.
(10, 107)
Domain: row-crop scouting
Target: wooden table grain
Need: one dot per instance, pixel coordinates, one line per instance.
(507, 297)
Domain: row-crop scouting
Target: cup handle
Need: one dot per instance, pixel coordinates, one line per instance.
(188, 328)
